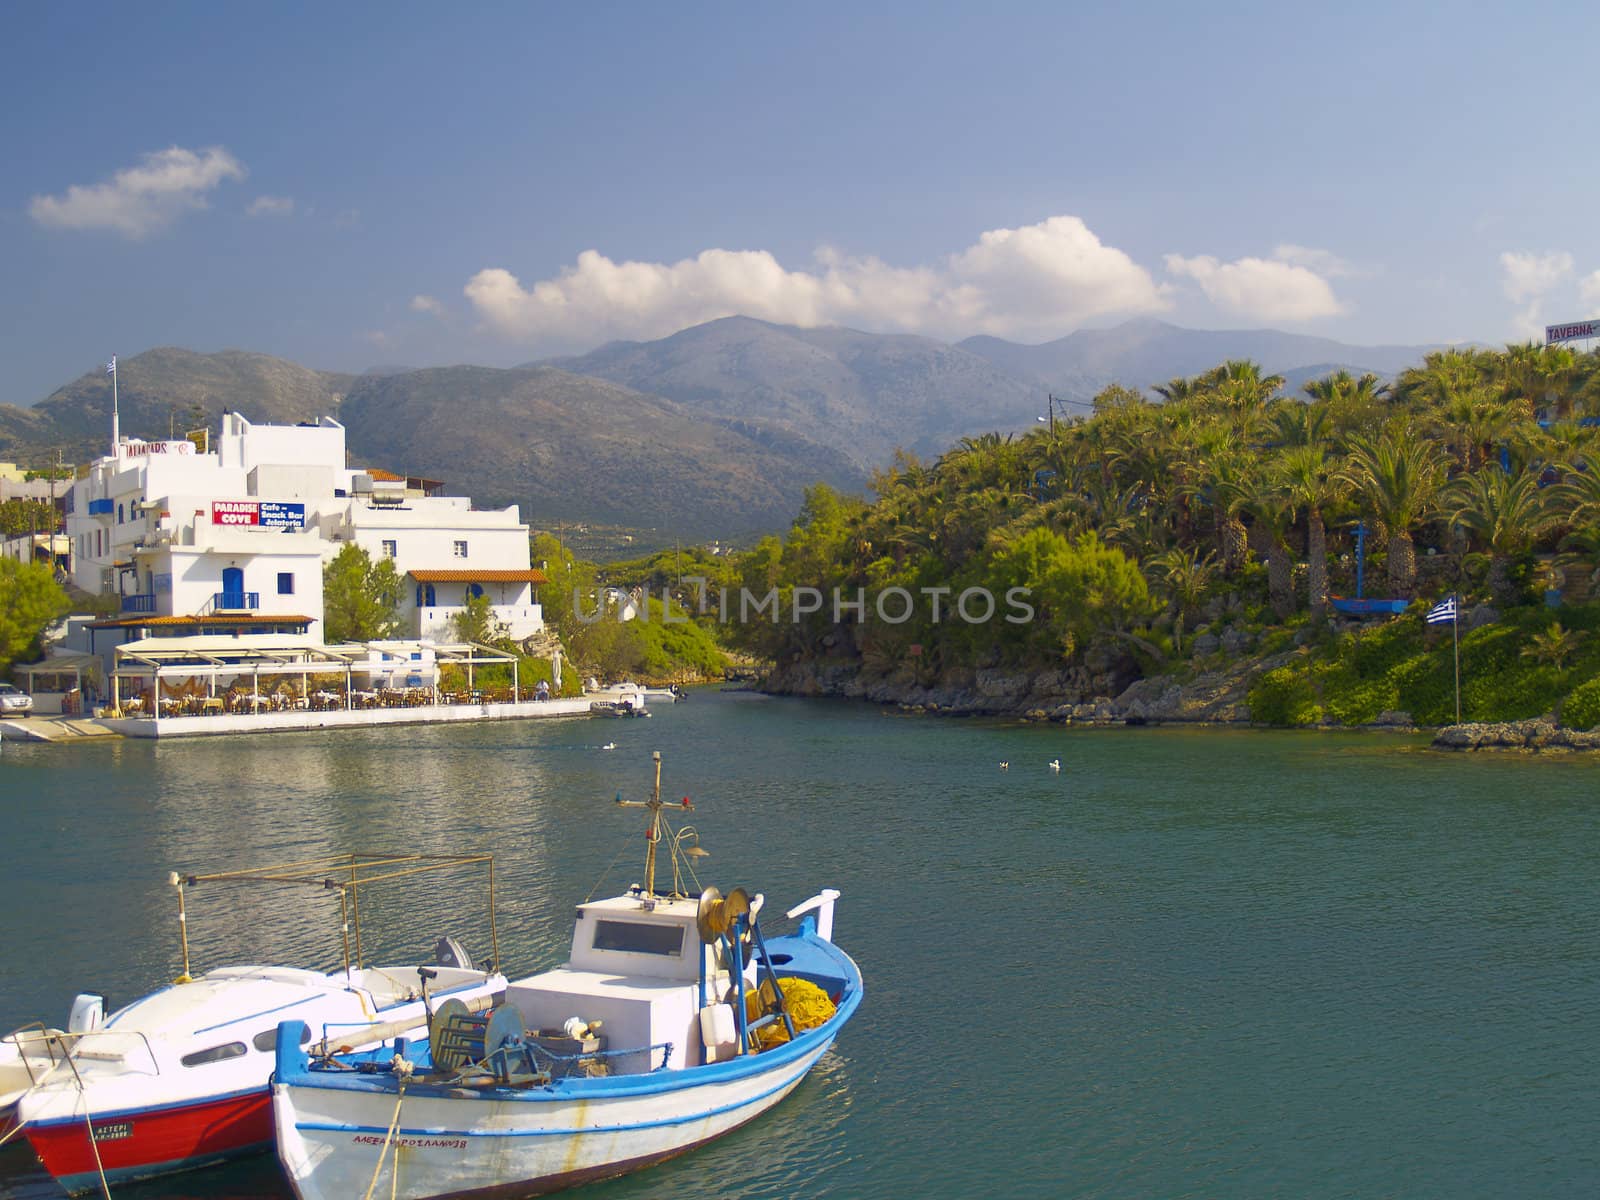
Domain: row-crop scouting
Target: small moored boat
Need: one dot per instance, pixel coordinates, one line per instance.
(178, 1079)
(674, 1021)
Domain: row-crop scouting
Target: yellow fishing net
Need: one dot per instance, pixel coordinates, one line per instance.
(808, 1007)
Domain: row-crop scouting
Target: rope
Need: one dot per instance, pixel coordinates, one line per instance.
(94, 1144)
(403, 1069)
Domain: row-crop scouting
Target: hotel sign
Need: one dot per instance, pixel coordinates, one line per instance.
(1573, 332)
(143, 449)
(263, 514)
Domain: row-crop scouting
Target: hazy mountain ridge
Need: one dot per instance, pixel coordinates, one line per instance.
(1143, 353)
(860, 395)
(169, 389)
(716, 429)
(570, 447)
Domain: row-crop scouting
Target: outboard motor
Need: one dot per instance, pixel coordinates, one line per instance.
(447, 952)
(88, 1012)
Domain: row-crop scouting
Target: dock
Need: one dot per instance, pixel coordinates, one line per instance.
(298, 720)
(54, 729)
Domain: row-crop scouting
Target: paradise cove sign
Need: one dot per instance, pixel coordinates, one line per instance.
(265, 514)
(1573, 332)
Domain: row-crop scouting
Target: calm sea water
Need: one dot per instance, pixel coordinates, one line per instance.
(1194, 963)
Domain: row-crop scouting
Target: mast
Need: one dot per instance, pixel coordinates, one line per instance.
(652, 837)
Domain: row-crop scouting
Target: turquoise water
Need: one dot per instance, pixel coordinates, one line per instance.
(1194, 963)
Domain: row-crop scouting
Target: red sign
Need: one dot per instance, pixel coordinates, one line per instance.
(235, 512)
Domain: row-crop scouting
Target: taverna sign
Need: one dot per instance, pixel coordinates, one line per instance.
(1576, 331)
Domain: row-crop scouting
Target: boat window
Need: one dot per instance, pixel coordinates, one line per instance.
(216, 1054)
(638, 939)
(268, 1038)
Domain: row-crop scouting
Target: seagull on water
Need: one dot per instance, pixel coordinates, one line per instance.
(609, 746)
(1005, 766)
(1055, 764)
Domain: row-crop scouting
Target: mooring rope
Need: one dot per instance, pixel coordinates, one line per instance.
(94, 1144)
(403, 1070)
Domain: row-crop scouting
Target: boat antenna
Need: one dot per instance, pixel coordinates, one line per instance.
(652, 836)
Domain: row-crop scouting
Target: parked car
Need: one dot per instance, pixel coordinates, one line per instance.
(14, 702)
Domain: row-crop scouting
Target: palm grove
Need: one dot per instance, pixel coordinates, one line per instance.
(1228, 505)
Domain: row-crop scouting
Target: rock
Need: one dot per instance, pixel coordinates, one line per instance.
(1481, 615)
(1235, 642)
(1205, 645)
(1390, 717)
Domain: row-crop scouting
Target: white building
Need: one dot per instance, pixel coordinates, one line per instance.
(233, 541)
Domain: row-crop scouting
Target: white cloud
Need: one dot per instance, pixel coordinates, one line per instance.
(1525, 278)
(1528, 276)
(1589, 293)
(138, 201)
(1268, 289)
(1040, 280)
(426, 304)
(1322, 262)
(271, 206)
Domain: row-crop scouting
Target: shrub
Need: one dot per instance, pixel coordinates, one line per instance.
(1582, 707)
(1284, 697)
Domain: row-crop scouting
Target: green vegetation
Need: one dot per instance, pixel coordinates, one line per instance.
(668, 638)
(360, 598)
(1159, 537)
(21, 515)
(30, 601)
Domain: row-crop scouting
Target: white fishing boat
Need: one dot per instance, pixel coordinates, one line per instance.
(178, 1079)
(674, 1021)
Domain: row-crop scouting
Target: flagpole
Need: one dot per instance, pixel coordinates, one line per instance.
(116, 424)
(1455, 637)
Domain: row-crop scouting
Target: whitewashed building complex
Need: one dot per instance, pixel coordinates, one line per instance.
(230, 542)
(238, 537)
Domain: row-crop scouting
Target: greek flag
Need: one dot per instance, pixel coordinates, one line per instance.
(111, 367)
(1443, 611)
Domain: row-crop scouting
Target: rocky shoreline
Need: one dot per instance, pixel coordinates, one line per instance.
(1076, 697)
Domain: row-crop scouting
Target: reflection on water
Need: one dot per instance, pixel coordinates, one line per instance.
(1193, 963)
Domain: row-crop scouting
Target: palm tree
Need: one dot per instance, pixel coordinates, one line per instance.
(1263, 496)
(1399, 478)
(1184, 575)
(1507, 513)
(1554, 646)
(1309, 483)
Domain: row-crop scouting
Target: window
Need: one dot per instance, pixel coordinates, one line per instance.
(390, 549)
(460, 549)
(285, 583)
(638, 939)
(267, 1040)
(119, 514)
(216, 1054)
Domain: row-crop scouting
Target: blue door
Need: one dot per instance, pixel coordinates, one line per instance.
(232, 588)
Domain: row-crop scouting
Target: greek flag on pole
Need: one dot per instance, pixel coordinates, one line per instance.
(111, 367)
(1443, 611)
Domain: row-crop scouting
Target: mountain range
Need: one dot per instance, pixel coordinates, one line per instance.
(712, 432)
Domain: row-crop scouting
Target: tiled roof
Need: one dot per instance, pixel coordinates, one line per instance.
(211, 622)
(467, 575)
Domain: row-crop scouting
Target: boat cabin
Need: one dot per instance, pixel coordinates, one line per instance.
(635, 971)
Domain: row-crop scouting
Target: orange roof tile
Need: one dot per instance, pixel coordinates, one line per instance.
(266, 619)
(466, 575)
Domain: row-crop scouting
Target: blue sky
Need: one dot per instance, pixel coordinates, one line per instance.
(350, 186)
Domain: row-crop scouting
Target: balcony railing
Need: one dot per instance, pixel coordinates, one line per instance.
(139, 604)
(235, 601)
